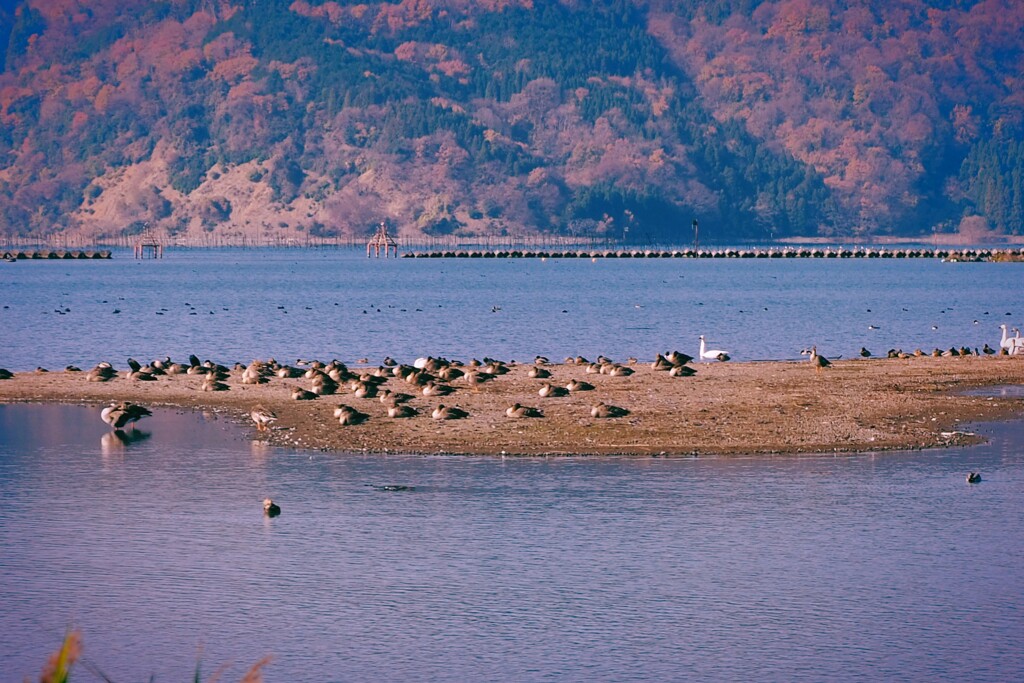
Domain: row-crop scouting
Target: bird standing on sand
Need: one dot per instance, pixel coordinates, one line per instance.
(817, 361)
(119, 415)
(262, 417)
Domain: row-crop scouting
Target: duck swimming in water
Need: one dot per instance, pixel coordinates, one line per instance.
(270, 508)
(973, 477)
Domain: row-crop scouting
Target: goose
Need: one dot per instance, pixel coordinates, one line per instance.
(402, 410)
(538, 373)
(817, 361)
(602, 410)
(262, 417)
(270, 508)
(348, 415)
(211, 384)
(443, 412)
(119, 415)
(547, 390)
(518, 411)
(712, 354)
(678, 358)
(578, 385)
(393, 398)
(303, 395)
(682, 371)
(616, 370)
(661, 363)
(433, 388)
(366, 390)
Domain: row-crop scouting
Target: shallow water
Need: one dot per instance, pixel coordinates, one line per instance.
(866, 567)
(233, 305)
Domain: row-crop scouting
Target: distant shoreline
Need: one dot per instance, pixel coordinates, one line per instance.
(726, 408)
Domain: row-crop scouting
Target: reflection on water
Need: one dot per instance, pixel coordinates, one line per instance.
(868, 567)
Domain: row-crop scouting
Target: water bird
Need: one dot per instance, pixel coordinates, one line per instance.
(120, 415)
(538, 373)
(262, 417)
(518, 411)
(864, 353)
(547, 390)
(682, 371)
(988, 350)
(443, 412)
(5, 373)
(393, 398)
(817, 361)
(347, 415)
(578, 385)
(270, 508)
(711, 354)
(603, 410)
(973, 477)
(392, 487)
(402, 410)
(299, 394)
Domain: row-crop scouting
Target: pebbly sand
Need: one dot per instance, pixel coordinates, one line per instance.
(726, 408)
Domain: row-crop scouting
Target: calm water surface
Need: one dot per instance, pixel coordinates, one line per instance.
(869, 567)
(235, 305)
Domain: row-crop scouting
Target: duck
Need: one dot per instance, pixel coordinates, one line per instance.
(6, 374)
(270, 508)
(211, 384)
(864, 353)
(443, 412)
(262, 417)
(678, 358)
(303, 395)
(119, 415)
(537, 372)
(616, 370)
(393, 398)
(433, 388)
(973, 477)
(518, 411)
(365, 390)
(712, 354)
(603, 410)
(661, 363)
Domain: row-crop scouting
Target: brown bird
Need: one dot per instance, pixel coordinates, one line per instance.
(517, 411)
(262, 417)
(443, 412)
(600, 410)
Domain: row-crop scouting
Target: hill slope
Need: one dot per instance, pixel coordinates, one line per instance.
(275, 118)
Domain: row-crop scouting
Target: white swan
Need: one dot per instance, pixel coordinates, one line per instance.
(1013, 345)
(712, 354)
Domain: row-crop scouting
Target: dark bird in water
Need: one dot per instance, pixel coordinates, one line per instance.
(864, 353)
(270, 508)
(120, 415)
(973, 477)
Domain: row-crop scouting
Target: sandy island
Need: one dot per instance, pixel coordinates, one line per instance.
(726, 408)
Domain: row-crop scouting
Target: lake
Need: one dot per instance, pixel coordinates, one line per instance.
(860, 567)
(236, 305)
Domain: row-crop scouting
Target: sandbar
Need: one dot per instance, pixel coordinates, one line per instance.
(727, 408)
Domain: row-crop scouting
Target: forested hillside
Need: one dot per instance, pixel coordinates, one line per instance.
(280, 118)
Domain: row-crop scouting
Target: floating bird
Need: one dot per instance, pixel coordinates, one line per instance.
(262, 417)
(119, 415)
(973, 477)
(443, 412)
(270, 508)
(712, 354)
(602, 410)
(392, 487)
(988, 350)
(516, 410)
(864, 353)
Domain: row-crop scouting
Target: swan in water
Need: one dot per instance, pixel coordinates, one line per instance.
(712, 354)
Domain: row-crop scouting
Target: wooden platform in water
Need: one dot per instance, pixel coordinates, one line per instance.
(54, 254)
(953, 255)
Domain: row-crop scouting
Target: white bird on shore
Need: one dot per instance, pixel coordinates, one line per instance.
(1013, 345)
(262, 417)
(712, 354)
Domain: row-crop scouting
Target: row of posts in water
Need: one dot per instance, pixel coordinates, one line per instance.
(966, 255)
